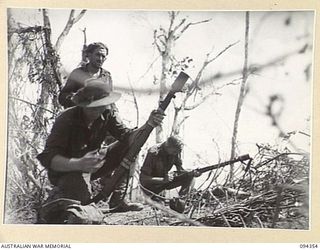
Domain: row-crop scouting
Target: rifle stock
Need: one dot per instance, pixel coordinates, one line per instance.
(135, 148)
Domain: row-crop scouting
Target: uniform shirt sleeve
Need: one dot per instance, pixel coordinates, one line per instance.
(106, 75)
(57, 141)
(148, 163)
(178, 163)
(72, 85)
(117, 128)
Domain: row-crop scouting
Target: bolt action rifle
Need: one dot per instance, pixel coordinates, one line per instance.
(184, 175)
(136, 146)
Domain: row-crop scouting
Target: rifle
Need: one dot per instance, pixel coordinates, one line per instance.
(139, 142)
(180, 177)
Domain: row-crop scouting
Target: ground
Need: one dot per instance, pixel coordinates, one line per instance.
(147, 216)
(151, 216)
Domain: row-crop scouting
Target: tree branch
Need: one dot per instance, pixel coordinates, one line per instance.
(155, 37)
(71, 21)
(183, 120)
(172, 16)
(195, 83)
(80, 16)
(222, 51)
(148, 69)
(194, 86)
(179, 25)
(191, 107)
(181, 217)
(32, 104)
(134, 100)
(190, 24)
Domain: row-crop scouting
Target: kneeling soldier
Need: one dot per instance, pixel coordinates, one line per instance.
(72, 153)
(155, 176)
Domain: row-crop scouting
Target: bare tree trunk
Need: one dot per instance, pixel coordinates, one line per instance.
(165, 42)
(163, 83)
(30, 61)
(84, 59)
(43, 99)
(241, 98)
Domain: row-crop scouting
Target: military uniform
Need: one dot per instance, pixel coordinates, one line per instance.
(158, 163)
(76, 80)
(70, 137)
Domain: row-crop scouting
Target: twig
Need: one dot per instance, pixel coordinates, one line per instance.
(195, 83)
(274, 158)
(225, 220)
(242, 220)
(156, 39)
(259, 221)
(203, 99)
(18, 185)
(222, 51)
(181, 217)
(156, 216)
(190, 24)
(137, 220)
(303, 133)
(134, 100)
(33, 104)
(148, 69)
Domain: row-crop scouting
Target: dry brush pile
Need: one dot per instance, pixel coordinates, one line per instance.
(272, 193)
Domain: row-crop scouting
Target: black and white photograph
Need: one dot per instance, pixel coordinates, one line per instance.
(161, 118)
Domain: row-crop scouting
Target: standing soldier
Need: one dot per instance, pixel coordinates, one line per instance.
(96, 54)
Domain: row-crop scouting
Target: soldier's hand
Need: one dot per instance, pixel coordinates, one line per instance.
(103, 151)
(169, 177)
(128, 164)
(196, 173)
(155, 118)
(90, 162)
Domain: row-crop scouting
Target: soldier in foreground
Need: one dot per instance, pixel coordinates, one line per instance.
(73, 155)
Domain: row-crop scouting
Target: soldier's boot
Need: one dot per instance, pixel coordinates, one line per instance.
(118, 202)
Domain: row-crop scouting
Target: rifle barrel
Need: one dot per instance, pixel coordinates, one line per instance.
(222, 164)
(182, 176)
